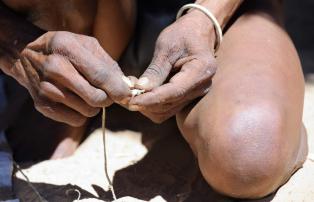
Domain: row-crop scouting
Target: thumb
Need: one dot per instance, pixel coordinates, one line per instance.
(156, 73)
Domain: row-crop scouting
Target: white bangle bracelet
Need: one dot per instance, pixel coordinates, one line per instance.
(217, 27)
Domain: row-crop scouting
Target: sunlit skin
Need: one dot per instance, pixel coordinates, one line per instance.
(246, 129)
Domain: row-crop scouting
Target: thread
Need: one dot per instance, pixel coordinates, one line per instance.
(103, 127)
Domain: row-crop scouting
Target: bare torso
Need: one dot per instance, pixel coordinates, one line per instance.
(110, 21)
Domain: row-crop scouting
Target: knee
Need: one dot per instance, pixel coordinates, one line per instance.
(241, 154)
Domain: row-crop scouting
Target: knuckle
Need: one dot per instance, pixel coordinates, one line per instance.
(105, 73)
(168, 41)
(162, 41)
(51, 66)
(115, 66)
(156, 72)
(57, 39)
(165, 34)
(42, 93)
(52, 60)
(59, 42)
(98, 100)
(100, 76)
(166, 46)
(155, 69)
(60, 35)
(110, 79)
(25, 52)
(40, 104)
(96, 97)
(210, 65)
(165, 42)
(93, 40)
(37, 106)
(180, 92)
(205, 68)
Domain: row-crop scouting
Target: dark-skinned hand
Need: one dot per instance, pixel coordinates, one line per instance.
(186, 49)
(70, 76)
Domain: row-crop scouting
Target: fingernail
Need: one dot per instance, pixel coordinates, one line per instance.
(143, 81)
(134, 108)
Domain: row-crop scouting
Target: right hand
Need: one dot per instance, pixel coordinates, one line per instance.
(70, 76)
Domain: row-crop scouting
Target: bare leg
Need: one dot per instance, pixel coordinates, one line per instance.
(33, 137)
(247, 131)
(68, 145)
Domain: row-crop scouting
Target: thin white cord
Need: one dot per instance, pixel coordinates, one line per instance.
(218, 30)
(134, 92)
(103, 127)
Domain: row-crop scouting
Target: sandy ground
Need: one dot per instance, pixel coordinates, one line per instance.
(165, 172)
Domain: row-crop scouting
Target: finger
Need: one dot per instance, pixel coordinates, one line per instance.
(159, 117)
(156, 73)
(160, 108)
(41, 44)
(128, 81)
(93, 96)
(192, 81)
(31, 75)
(67, 98)
(37, 60)
(57, 68)
(133, 80)
(103, 73)
(19, 73)
(106, 76)
(60, 113)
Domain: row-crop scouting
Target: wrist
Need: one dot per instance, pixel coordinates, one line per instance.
(202, 25)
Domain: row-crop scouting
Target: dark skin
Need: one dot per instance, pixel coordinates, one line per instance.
(38, 60)
(261, 129)
(54, 73)
(189, 52)
(246, 130)
(249, 102)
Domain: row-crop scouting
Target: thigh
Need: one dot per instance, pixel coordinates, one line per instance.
(258, 88)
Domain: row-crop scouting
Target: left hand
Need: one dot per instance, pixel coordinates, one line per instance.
(186, 48)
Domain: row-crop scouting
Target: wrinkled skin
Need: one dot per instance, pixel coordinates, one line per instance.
(66, 73)
(70, 76)
(186, 50)
(246, 131)
(70, 82)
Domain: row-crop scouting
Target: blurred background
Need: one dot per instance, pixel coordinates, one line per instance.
(300, 26)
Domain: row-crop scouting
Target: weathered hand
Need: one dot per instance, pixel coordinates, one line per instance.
(185, 48)
(70, 76)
